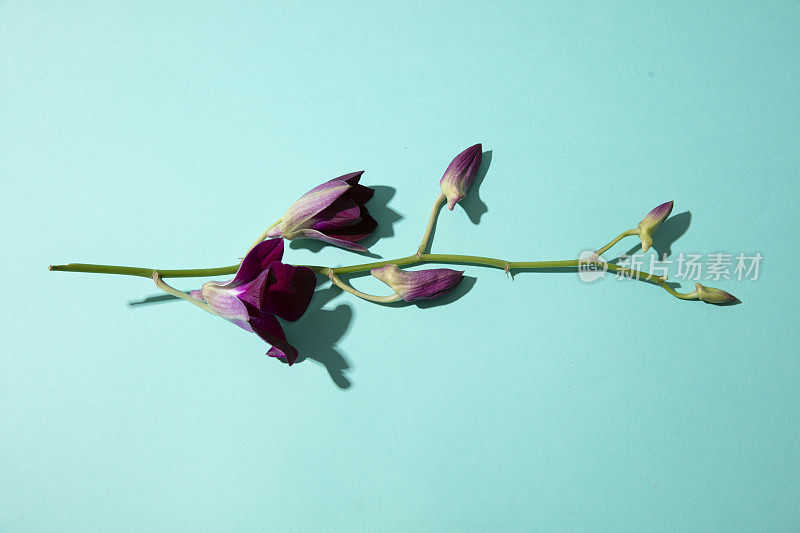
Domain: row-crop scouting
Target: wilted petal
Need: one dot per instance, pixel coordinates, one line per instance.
(419, 284)
(268, 328)
(460, 174)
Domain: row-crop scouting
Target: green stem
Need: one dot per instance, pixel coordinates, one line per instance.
(418, 257)
(363, 267)
(437, 205)
(146, 272)
(372, 298)
(164, 286)
(616, 239)
(683, 296)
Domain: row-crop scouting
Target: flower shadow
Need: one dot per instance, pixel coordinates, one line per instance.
(380, 211)
(472, 203)
(328, 327)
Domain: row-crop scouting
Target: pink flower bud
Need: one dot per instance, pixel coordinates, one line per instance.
(460, 174)
(418, 284)
(651, 222)
(714, 296)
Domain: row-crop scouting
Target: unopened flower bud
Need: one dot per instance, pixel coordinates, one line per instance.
(460, 174)
(714, 296)
(418, 284)
(651, 222)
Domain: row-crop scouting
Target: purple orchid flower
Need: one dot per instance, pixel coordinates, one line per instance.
(460, 174)
(418, 284)
(262, 289)
(333, 212)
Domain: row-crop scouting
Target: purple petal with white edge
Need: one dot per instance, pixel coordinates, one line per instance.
(268, 328)
(460, 174)
(318, 235)
(309, 205)
(276, 232)
(288, 291)
(351, 179)
(223, 301)
(256, 261)
(419, 284)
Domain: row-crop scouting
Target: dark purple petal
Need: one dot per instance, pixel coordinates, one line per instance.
(287, 291)
(363, 227)
(327, 219)
(253, 293)
(360, 194)
(268, 328)
(351, 178)
(256, 261)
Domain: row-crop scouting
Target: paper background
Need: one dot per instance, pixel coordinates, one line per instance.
(170, 134)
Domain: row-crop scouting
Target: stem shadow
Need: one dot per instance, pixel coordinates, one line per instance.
(155, 299)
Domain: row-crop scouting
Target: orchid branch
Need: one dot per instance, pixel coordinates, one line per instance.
(264, 288)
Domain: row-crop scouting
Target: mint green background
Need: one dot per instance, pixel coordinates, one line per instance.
(171, 135)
